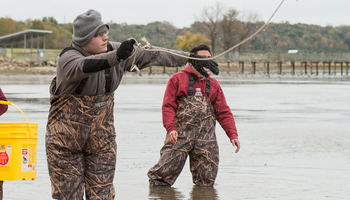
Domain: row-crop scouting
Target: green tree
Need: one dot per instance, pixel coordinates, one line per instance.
(50, 19)
(188, 40)
(36, 24)
(7, 26)
(162, 34)
(223, 29)
(347, 39)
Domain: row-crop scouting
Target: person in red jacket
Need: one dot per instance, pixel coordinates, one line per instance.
(192, 103)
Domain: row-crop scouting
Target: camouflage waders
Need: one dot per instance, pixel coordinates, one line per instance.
(195, 123)
(81, 146)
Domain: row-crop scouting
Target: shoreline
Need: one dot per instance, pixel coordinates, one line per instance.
(223, 78)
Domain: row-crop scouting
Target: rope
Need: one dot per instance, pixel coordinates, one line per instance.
(148, 45)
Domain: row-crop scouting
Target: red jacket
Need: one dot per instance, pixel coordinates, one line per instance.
(178, 87)
(3, 108)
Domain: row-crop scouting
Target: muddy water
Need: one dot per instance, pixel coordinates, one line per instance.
(295, 139)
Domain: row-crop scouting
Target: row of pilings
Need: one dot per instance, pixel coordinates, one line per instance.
(312, 68)
(332, 68)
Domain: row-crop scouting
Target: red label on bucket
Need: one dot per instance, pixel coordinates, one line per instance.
(4, 158)
(24, 151)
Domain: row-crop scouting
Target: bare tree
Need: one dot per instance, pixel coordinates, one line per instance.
(210, 19)
(230, 26)
(246, 24)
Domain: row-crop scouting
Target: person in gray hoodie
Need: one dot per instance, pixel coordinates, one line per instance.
(80, 139)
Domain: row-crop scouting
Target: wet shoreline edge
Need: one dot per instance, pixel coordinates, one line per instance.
(223, 78)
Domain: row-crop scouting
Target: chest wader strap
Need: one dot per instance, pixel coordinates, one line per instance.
(108, 72)
(83, 82)
(207, 88)
(81, 86)
(191, 83)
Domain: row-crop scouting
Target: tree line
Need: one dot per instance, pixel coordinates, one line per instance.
(217, 27)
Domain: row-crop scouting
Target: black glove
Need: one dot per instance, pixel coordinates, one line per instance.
(199, 64)
(125, 49)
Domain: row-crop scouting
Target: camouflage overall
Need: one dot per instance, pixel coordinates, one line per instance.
(195, 123)
(81, 146)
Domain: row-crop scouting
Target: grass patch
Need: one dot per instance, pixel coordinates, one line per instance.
(34, 54)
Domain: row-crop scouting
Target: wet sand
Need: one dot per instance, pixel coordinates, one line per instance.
(295, 137)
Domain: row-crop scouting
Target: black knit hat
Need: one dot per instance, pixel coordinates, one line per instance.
(200, 48)
(86, 25)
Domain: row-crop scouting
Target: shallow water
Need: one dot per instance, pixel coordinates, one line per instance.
(294, 134)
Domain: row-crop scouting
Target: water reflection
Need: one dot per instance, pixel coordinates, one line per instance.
(168, 193)
(203, 193)
(171, 193)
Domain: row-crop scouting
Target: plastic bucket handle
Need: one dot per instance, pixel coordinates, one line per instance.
(10, 103)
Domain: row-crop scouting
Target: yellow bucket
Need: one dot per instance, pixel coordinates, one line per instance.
(18, 145)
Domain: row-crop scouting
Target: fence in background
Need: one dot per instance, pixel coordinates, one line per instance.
(298, 63)
(279, 63)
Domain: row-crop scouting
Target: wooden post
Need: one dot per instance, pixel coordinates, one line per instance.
(228, 66)
(268, 68)
(316, 62)
(293, 68)
(311, 68)
(242, 67)
(242, 63)
(335, 68)
(324, 66)
(254, 67)
(280, 67)
(163, 69)
(329, 68)
(301, 67)
(347, 68)
(341, 68)
(305, 65)
(150, 70)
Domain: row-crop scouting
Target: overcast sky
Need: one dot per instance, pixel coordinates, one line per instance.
(181, 13)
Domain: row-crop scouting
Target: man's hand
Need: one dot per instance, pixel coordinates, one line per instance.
(125, 49)
(235, 142)
(173, 137)
(199, 64)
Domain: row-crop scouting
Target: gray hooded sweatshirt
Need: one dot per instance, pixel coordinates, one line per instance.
(78, 72)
